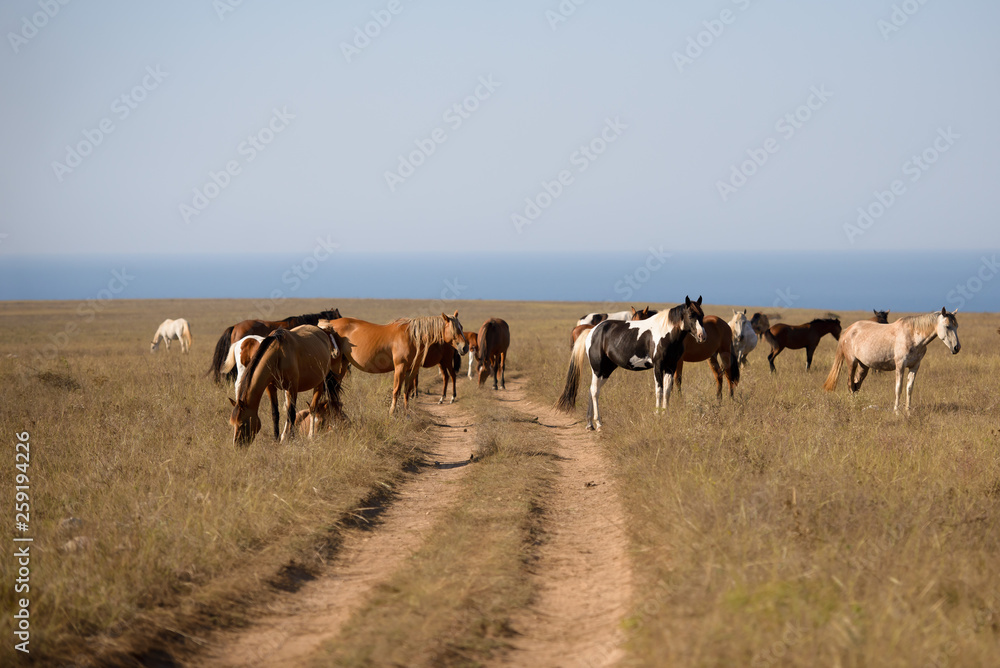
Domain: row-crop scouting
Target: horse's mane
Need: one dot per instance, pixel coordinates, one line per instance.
(244, 394)
(928, 320)
(313, 318)
(820, 321)
(423, 331)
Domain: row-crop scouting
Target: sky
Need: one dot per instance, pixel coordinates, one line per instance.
(403, 126)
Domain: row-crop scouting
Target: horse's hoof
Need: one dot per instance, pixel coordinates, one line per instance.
(589, 427)
(441, 400)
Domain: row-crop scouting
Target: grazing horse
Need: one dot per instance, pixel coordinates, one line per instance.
(445, 356)
(293, 361)
(634, 315)
(494, 340)
(718, 343)
(900, 346)
(472, 338)
(261, 328)
(240, 355)
(796, 337)
(400, 346)
(744, 337)
(172, 329)
(656, 343)
(881, 317)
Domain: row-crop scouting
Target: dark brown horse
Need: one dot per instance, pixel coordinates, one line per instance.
(260, 328)
(719, 343)
(445, 356)
(881, 317)
(494, 339)
(796, 337)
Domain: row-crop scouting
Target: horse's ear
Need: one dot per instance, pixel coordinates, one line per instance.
(231, 401)
(633, 310)
(444, 317)
(944, 311)
(744, 311)
(687, 300)
(455, 316)
(699, 300)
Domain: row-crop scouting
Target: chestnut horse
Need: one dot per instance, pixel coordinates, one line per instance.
(718, 343)
(472, 338)
(634, 315)
(445, 356)
(260, 328)
(400, 346)
(293, 361)
(494, 340)
(796, 337)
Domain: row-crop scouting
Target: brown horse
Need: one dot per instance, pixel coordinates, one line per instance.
(472, 338)
(494, 339)
(881, 317)
(260, 328)
(760, 324)
(445, 356)
(796, 337)
(636, 315)
(400, 346)
(293, 361)
(719, 343)
(316, 421)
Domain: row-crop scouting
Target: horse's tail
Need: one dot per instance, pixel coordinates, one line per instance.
(219, 356)
(838, 364)
(733, 369)
(248, 373)
(769, 337)
(334, 388)
(230, 362)
(457, 362)
(567, 401)
(187, 333)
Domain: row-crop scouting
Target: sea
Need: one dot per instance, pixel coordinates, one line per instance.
(900, 281)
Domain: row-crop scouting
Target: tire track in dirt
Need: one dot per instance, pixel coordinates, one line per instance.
(299, 623)
(583, 570)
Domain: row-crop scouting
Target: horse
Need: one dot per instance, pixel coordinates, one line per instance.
(744, 337)
(900, 346)
(634, 315)
(760, 324)
(172, 329)
(445, 356)
(261, 328)
(494, 340)
(796, 337)
(291, 360)
(593, 319)
(400, 346)
(240, 355)
(656, 343)
(718, 343)
(316, 421)
(472, 338)
(881, 317)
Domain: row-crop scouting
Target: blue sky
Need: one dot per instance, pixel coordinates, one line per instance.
(608, 128)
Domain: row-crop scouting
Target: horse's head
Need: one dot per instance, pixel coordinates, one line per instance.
(760, 323)
(454, 334)
(245, 422)
(154, 345)
(693, 318)
(737, 324)
(881, 317)
(643, 314)
(835, 329)
(472, 338)
(947, 330)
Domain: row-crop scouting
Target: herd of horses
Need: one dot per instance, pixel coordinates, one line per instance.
(314, 352)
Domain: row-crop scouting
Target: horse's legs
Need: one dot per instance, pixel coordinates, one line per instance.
(454, 383)
(472, 358)
(774, 353)
(911, 376)
(677, 377)
(810, 349)
(861, 377)
(397, 385)
(444, 387)
(899, 385)
(717, 372)
(272, 392)
(593, 413)
(289, 429)
(503, 366)
(496, 370)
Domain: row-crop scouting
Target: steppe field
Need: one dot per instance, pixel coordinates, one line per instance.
(786, 527)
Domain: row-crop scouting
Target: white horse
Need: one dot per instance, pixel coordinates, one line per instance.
(172, 329)
(744, 338)
(239, 355)
(594, 318)
(899, 346)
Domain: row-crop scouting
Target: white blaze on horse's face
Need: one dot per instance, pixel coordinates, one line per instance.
(947, 331)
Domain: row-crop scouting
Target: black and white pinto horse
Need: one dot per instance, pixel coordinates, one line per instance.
(656, 343)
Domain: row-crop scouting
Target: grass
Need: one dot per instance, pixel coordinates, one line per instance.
(788, 527)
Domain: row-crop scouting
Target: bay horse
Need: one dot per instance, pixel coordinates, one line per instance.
(656, 343)
(900, 346)
(445, 356)
(400, 346)
(796, 337)
(472, 338)
(744, 337)
(261, 328)
(717, 344)
(172, 329)
(494, 340)
(881, 317)
(295, 361)
(760, 324)
(240, 355)
(634, 315)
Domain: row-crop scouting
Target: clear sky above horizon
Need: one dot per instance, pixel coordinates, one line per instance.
(730, 124)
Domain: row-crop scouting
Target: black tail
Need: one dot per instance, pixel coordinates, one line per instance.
(733, 370)
(457, 362)
(219, 357)
(334, 388)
